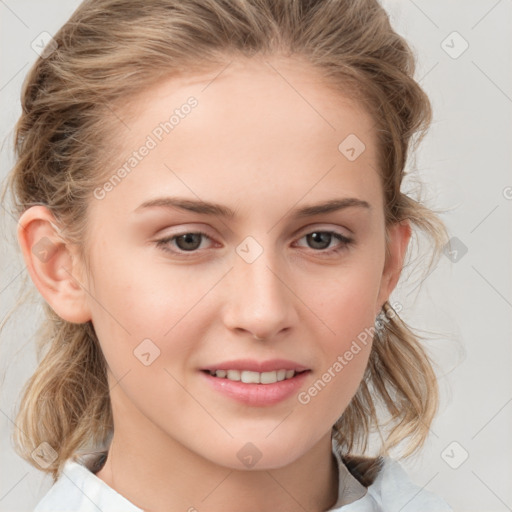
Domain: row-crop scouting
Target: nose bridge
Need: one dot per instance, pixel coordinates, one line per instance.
(259, 301)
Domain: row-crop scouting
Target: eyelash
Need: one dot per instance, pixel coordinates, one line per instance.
(345, 242)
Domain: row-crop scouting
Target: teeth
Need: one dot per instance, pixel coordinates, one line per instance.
(268, 377)
(250, 377)
(254, 377)
(233, 374)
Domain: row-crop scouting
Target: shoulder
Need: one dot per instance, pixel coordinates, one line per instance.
(405, 495)
(79, 490)
(389, 487)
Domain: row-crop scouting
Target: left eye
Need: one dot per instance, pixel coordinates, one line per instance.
(323, 237)
(191, 241)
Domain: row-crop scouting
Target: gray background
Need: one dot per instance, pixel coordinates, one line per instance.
(466, 301)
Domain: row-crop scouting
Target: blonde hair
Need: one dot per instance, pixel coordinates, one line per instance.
(111, 50)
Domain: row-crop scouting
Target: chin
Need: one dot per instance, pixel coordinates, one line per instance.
(259, 453)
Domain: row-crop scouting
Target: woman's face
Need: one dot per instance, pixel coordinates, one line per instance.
(264, 141)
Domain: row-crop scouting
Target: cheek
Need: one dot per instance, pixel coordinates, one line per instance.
(347, 308)
(347, 305)
(131, 303)
(149, 312)
(351, 318)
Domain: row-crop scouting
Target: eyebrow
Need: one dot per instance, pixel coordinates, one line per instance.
(209, 208)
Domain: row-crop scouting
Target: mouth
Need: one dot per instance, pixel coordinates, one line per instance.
(256, 384)
(252, 377)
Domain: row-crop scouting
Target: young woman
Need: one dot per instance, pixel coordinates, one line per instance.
(209, 203)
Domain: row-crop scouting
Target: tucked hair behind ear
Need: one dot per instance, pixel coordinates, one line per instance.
(111, 50)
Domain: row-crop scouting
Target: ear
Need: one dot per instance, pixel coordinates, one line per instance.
(398, 238)
(53, 264)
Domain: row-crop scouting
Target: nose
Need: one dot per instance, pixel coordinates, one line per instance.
(259, 299)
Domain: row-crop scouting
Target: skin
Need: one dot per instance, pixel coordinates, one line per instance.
(256, 145)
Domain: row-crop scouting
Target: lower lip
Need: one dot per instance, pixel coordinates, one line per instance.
(258, 395)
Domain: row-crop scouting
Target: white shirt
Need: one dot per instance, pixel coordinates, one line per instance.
(79, 490)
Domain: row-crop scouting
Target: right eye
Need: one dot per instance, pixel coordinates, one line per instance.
(188, 241)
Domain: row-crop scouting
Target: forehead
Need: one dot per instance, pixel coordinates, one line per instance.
(263, 127)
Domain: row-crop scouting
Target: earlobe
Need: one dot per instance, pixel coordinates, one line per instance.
(399, 237)
(52, 264)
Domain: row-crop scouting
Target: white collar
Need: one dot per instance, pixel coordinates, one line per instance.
(349, 488)
(79, 490)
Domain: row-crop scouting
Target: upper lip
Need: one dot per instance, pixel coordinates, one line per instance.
(257, 366)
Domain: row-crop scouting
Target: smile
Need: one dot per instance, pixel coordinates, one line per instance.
(250, 377)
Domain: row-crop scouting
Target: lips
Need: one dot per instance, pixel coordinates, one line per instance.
(256, 383)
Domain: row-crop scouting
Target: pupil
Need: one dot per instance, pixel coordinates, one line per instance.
(188, 238)
(317, 238)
